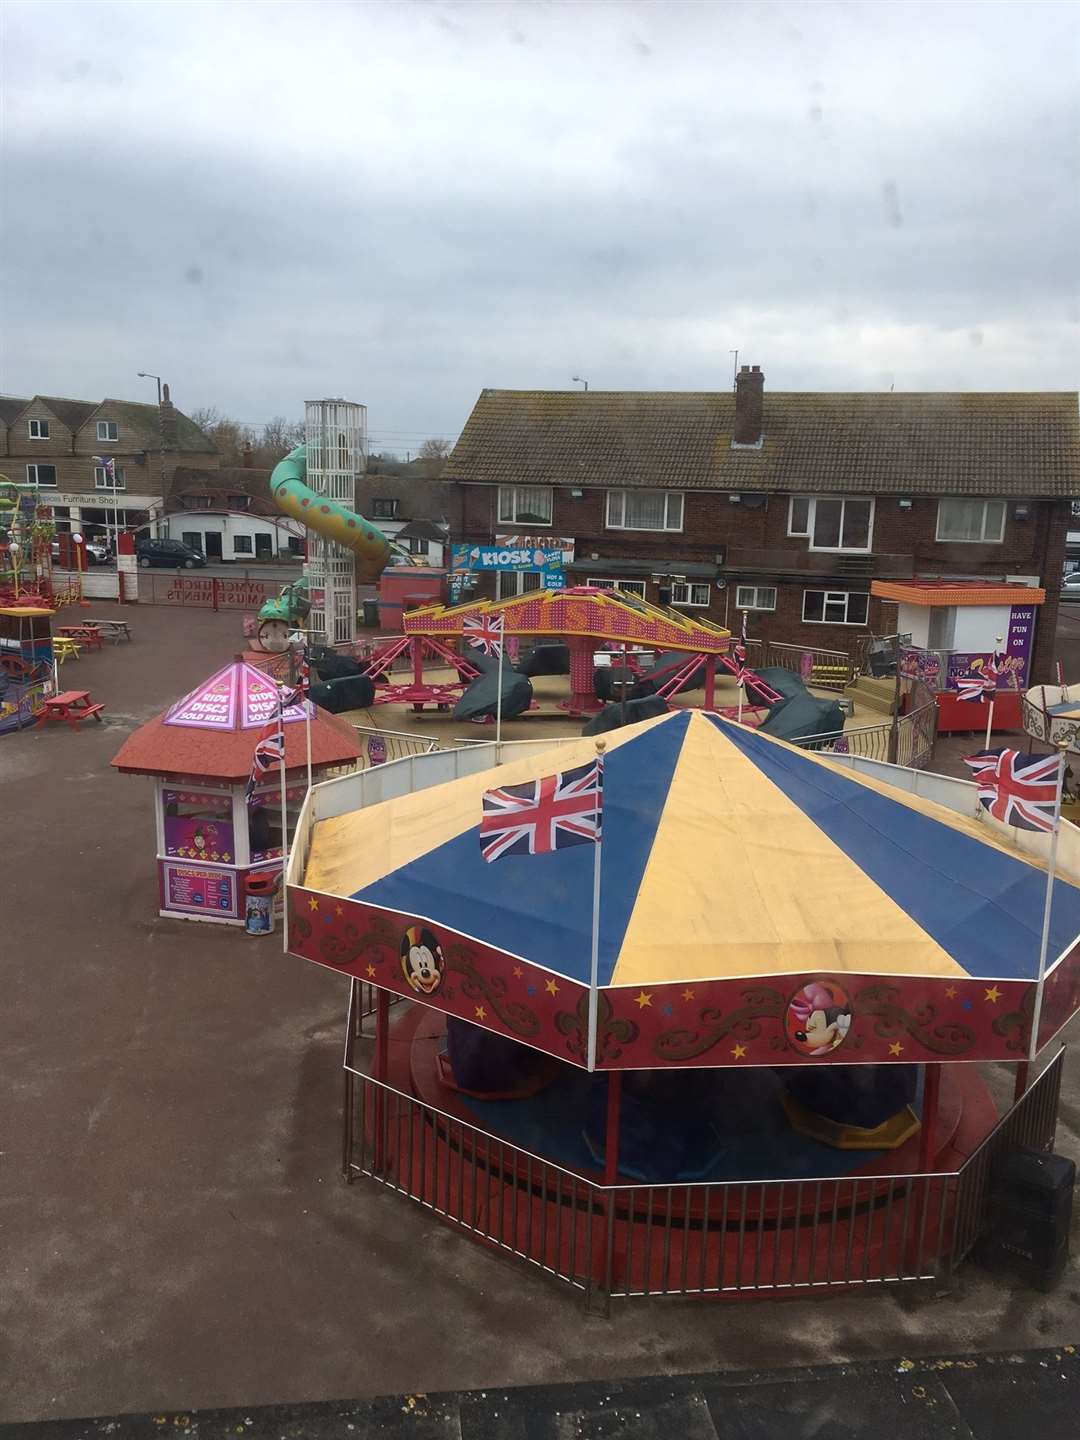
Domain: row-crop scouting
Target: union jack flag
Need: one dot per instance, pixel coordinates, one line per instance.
(484, 633)
(303, 671)
(1017, 789)
(544, 815)
(739, 669)
(269, 750)
(983, 683)
(107, 463)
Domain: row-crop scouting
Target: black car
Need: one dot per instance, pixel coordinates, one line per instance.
(172, 553)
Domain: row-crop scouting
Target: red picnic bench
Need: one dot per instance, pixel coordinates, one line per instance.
(88, 635)
(71, 705)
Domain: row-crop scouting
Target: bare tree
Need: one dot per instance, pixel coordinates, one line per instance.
(434, 449)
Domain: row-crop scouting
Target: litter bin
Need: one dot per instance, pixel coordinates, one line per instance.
(370, 609)
(260, 887)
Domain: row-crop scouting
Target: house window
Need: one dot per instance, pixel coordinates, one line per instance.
(296, 545)
(631, 587)
(384, 509)
(835, 607)
(41, 475)
(644, 510)
(832, 523)
(103, 482)
(509, 583)
(755, 597)
(417, 546)
(106, 430)
(693, 593)
(38, 429)
(799, 516)
(525, 504)
(241, 544)
(239, 502)
(192, 539)
(971, 522)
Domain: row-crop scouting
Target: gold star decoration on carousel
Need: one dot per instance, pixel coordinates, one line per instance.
(993, 994)
(551, 987)
(950, 992)
(481, 1013)
(896, 1048)
(371, 969)
(339, 910)
(738, 1051)
(313, 904)
(688, 994)
(642, 999)
(518, 972)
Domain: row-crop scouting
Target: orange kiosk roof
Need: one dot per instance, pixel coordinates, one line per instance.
(956, 592)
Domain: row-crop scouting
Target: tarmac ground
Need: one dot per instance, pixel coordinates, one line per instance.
(175, 1232)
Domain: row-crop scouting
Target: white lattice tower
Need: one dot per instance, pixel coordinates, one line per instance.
(335, 432)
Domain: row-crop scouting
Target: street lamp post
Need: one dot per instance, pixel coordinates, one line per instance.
(577, 380)
(145, 375)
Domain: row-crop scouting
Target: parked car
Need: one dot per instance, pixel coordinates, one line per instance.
(99, 551)
(1070, 586)
(172, 553)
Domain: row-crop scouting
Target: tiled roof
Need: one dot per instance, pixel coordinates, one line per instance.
(418, 499)
(220, 484)
(132, 413)
(918, 444)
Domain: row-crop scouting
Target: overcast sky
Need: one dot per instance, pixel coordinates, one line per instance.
(404, 203)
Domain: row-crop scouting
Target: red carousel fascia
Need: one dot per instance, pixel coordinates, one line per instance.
(734, 1022)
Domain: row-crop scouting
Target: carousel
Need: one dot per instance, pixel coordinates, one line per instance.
(725, 1040)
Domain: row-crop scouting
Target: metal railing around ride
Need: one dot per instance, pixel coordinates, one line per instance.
(686, 1239)
(915, 734)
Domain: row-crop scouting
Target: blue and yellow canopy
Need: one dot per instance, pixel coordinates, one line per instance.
(726, 855)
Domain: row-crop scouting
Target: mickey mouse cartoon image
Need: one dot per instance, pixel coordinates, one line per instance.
(421, 960)
(819, 1018)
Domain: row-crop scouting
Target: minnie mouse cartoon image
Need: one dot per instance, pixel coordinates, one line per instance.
(818, 1018)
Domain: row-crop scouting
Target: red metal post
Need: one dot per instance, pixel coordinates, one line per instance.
(214, 592)
(710, 682)
(611, 1136)
(1021, 1080)
(382, 1032)
(931, 1093)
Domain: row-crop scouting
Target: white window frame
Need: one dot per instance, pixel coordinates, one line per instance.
(250, 540)
(811, 516)
(102, 482)
(973, 500)
(689, 586)
(35, 479)
(509, 513)
(605, 582)
(34, 430)
(755, 590)
(511, 583)
(103, 428)
(833, 596)
(616, 501)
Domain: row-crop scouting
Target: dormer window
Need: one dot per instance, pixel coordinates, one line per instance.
(107, 430)
(37, 429)
(384, 509)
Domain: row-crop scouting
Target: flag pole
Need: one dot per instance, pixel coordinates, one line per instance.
(594, 959)
(742, 669)
(305, 687)
(993, 693)
(498, 697)
(1051, 865)
(284, 819)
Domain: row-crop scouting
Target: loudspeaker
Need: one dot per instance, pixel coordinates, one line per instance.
(1031, 1194)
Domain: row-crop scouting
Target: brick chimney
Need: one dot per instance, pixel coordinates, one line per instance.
(247, 457)
(749, 406)
(168, 421)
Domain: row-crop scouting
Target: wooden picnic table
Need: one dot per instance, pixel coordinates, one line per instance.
(64, 648)
(85, 633)
(74, 706)
(115, 629)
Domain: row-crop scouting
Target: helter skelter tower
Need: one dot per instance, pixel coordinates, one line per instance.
(336, 435)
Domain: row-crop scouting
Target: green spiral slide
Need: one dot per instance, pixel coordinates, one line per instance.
(329, 518)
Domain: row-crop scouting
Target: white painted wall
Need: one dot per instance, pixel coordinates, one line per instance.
(916, 619)
(978, 626)
(229, 525)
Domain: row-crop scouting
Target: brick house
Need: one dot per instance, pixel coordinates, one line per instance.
(54, 442)
(785, 504)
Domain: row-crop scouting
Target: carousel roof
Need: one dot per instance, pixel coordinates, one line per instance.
(726, 854)
(211, 731)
